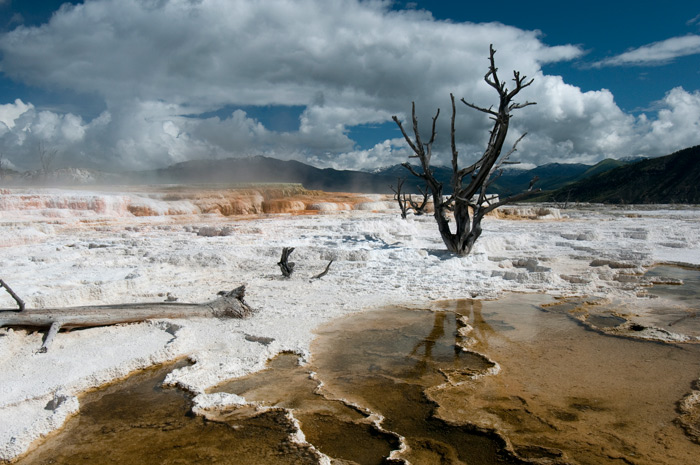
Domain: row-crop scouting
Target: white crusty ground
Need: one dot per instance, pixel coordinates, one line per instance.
(61, 257)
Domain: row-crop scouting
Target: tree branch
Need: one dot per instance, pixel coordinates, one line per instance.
(453, 144)
(517, 106)
(433, 131)
(20, 302)
(413, 171)
(405, 136)
(399, 198)
(324, 272)
(511, 199)
(488, 110)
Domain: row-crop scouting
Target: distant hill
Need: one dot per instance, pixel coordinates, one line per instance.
(441, 173)
(58, 177)
(673, 178)
(263, 169)
(605, 165)
(268, 170)
(551, 176)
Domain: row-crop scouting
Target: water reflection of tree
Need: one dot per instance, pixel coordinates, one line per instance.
(428, 343)
(473, 311)
(482, 332)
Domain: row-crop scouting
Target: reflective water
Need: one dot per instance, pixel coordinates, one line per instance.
(687, 293)
(387, 361)
(337, 429)
(379, 362)
(138, 422)
(589, 397)
(678, 307)
(397, 383)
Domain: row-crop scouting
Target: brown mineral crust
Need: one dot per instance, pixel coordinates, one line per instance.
(578, 397)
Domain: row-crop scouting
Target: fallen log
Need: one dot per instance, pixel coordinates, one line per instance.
(227, 305)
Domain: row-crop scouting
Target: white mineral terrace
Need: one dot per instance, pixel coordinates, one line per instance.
(63, 248)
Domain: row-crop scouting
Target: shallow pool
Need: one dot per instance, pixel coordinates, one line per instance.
(473, 382)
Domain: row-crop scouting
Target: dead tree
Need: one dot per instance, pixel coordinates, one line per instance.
(469, 201)
(401, 197)
(228, 304)
(419, 209)
(287, 267)
(406, 202)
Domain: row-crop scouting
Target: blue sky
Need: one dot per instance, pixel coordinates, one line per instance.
(122, 84)
(603, 29)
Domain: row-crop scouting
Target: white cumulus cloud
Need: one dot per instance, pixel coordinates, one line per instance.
(156, 65)
(11, 111)
(677, 123)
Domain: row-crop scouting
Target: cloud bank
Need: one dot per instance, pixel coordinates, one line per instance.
(161, 66)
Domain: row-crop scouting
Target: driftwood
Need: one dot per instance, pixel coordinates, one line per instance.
(228, 305)
(285, 265)
(324, 272)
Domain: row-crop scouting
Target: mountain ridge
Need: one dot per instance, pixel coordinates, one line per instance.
(670, 179)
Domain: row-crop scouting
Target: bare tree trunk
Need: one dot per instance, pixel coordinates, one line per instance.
(228, 305)
(105, 315)
(400, 197)
(469, 201)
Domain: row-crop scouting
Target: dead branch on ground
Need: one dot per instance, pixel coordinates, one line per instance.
(20, 302)
(228, 305)
(324, 272)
